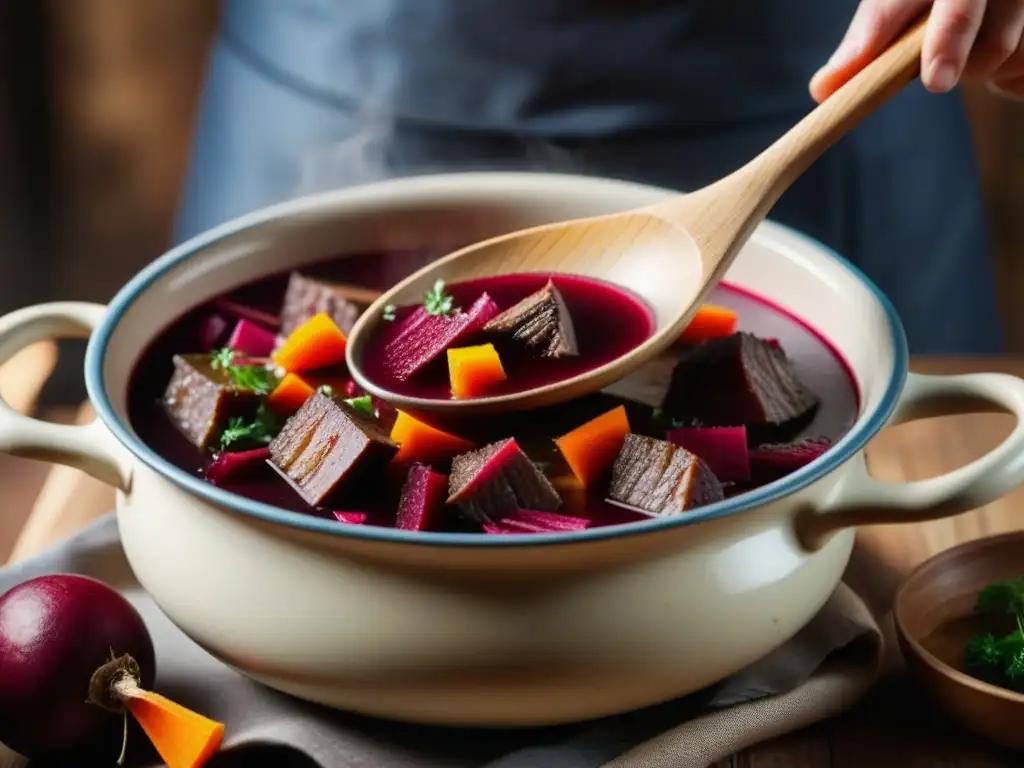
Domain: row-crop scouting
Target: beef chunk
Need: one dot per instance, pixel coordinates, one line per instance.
(734, 380)
(306, 297)
(201, 398)
(540, 322)
(422, 337)
(496, 480)
(661, 478)
(325, 444)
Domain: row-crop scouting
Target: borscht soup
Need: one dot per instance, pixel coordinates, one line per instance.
(250, 392)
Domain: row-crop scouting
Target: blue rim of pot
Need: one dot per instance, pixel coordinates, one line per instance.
(95, 357)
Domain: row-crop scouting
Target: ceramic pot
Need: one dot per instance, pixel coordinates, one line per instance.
(465, 629)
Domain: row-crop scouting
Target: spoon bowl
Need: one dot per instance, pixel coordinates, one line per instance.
(670, 255)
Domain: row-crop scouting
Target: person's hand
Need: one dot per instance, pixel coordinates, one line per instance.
(974, 40)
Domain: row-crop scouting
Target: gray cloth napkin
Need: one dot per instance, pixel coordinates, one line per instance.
(824, 670)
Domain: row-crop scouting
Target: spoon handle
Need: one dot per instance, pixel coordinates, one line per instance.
(721, 217)
(785, 160)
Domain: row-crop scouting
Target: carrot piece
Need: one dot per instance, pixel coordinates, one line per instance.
(474, 370)
(423, 443)
(709, 322)
(290, 394)
(591, 448)
(317, 343)
(184, 739)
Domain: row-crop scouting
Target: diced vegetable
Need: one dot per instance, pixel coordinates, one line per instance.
(183, 738)
(661, 479)
(591, 448)
(496, 480)
(422, 337)
(422, 501)
(540, 323)
(242, 312)
(533, 521)
(423, 443)
(290, 394)
(723, 449)
(350, 518)
(774, 460)
(211, 334)
(550, 521)
(325, 445)
(237, 465)
(250, 339)
(317, 343)
(709, 322)
(474, 371)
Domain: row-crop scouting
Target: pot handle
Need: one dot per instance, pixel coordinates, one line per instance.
(863, 500)
(88, 447)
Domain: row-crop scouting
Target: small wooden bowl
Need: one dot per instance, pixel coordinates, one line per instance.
(934, 619)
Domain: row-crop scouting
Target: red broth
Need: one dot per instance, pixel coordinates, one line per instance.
(815, 362)
(608, 321)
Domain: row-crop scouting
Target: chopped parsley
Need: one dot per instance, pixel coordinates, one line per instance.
(257, 378)
(389, 313)
(999, 659)
(362, 404)
(240, 433)
(437, 302)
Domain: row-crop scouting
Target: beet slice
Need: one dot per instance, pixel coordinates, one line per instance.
(421, 337)
(494, 481)
(243, 312)
(327, 443)
(251, 339)
(349, 518)
(212, 333)
(541, 323)
(306, 297)
(723, 449)
(771, 461)
(661, 479)
(200, 398)
(423, 498)
(737, 379)
(230, 466)
(548, 521)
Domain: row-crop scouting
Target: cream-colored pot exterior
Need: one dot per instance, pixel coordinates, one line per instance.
(487, 632)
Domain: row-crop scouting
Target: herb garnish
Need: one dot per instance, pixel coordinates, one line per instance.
(437, 302)
(389, 313)
(363, 404)
(999, 659)
(257, 378)
(260, 430)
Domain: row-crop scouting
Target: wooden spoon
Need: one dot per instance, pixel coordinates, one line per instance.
(671, 254)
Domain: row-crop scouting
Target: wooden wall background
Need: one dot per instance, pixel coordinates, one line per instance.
(122, 78)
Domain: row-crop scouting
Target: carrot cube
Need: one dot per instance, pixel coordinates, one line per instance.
(474, 370)
(591, 448)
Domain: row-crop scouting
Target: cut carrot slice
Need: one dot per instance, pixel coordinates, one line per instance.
(423, 443)
(317, 343)
(183, 738)
(591, 448)
(474, 370)
(290, 395)
(709, 322)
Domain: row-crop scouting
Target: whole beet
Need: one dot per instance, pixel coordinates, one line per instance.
(55, 632)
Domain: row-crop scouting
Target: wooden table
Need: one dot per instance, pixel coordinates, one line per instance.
(894, 727)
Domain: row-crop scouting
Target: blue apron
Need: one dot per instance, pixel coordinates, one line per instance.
(306, 95)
